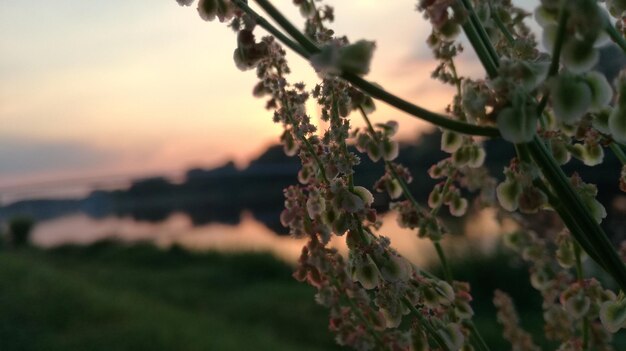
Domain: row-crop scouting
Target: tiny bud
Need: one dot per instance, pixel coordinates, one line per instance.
(617, 124)
(390, 150)
(458, 206)
(366, 273)
(571, 98)
(518, 123)
(601, 91)
(579, 56)
(355, 58)
(374, 151)
(452, 336)
(451, 141)
(508, 194)
(364, 194)
(613, 315)
(393, 189)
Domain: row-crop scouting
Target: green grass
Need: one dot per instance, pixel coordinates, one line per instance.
(113, 297)
(109, 297)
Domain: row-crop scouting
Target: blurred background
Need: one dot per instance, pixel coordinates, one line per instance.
(141, 183)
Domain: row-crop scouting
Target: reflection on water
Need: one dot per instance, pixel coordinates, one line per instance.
(250, 234)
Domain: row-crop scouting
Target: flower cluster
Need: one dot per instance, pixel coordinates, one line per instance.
(377, 299)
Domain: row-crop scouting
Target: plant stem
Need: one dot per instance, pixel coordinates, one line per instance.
(261, 21)
(619, 153)
(426, 324)
(306, 48)
(579, 213)
(409, 196)
(570, 223)
(444, 262)
(482, 33)
(284, 23)
(475, 333)
(615, 35)
(556, 55)
(357, 312)
(480, 49)
(576, 214)
(496, 18)
(560, 38)
(580, 277)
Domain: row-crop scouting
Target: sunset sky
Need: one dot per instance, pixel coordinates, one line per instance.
(102, 88)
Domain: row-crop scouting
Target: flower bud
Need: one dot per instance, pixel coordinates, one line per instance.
(395, 268)
(184, 2)
(208, 9)
(349, 201)
(601, 120)
(601, 90)
(451, 141)
(559, 152)
(575, 303)
(392, 318)
(531, 200)
(571, 98)
(390, 150)
(508, 194)
(477, 156)
(518, 123)
(458, 206)
(613, 315)
(355, 58)
(374, 151)
(290, 147)
(435, 198)
(366, 273)
(597, 210)
(452, 336)
(364, 194)
(565, 254)
(579, 56)
(419, 341)
(617, 123)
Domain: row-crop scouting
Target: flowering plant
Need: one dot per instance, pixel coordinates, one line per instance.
(551, 106)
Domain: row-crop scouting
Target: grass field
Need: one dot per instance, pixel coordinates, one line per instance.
(113, 297)
(108, 297)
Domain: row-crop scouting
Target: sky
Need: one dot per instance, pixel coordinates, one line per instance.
(110, 88)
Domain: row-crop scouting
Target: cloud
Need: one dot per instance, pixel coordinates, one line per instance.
(20, 156)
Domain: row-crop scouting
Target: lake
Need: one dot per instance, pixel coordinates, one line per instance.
(250, 234)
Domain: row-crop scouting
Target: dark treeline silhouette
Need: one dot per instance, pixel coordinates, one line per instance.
(221, 194)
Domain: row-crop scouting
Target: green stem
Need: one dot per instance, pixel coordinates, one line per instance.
(261, 21)
(426, 324)
(556, 55)
(482, 33)
(444, 262)
(306, 48)
(576, 212)
(417, 111)
(615, 35)
(498, 21)
(560, 38)
(475, 333)
(283, 22)
(580, 214)
(580, 276)
(480, 49)
(619, 153)
(570, 222)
